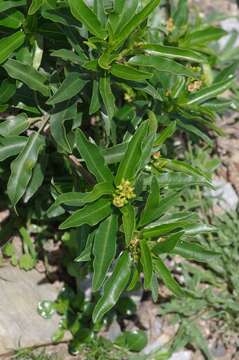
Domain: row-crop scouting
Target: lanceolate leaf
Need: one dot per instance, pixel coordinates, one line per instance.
(164, 273)
(175, 53)
(22, 167)
(14, 125)
(9, 44)
(71, 86)
(210, 92)
(86, 253)
(93, 158)
(104, 250)
(129, 164)
(107, 96)
(35, 6)
(161, 64)
(146, 261)
(129, 221)
(7, 90)
(11, 146)
(124, 11)
(95, 101)
(152, 203)
(79, 199)
(114, 287)
(87, 17)
(129, 73)
(90, 214)
(68, 55)
(194, 251)
(167, 245)
(135, 22)
(28, 75)
(165, 134)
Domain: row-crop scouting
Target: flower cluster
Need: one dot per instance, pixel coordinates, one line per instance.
(170, 25)
(134, 249)
(194, 86)
(123, 193)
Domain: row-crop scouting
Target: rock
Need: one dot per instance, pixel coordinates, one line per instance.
(20, 324)
(113, 331)
(224, 196)
(182, 355)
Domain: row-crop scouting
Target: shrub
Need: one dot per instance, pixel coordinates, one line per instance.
(90, 97)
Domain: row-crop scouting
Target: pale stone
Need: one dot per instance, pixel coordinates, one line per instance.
(20, 324)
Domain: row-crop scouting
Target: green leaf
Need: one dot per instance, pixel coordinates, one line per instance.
(104, 249)
(129, 222)
(57, 127)
(124, 11)
(136, 20)
(35, 6)
(22, 167)
(203, 36)
(114, 286)
(155, 212)
(86, 253)
(78, 199)
(179, 180)
(152, 203)
(35, 182)
(165, 134)
(11, 146)
(70, 87)
(90, 214)
(129, 73)
(161, 64)
(7, 90)
(115, 153)
(9, 44)
(107, 96)
(6, 5)
(14, 125)
(95, 101)
(68, 55)
(26, 262)
(28, 75)
(87, 17)
(129, 164)
(171, 52)
(13, 20)
(194, 251)
(167, 278)
(93, 158)
(167, 245)
(146, 261)
(134, 340)
(210, 91)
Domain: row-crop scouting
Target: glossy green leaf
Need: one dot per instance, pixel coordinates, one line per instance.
(71, 86)
(210, 92)
(152, 203)
(164, 273)
(129, 222)
(179, 180)
(194, 251)
(90, 214)
(35, 182)
(171, 52)
(86, 253)
(107, 96)
(7, 90)
(146, 261)
(13, 19)
(124, 11)
(104, 249)
(9, 44)
(129, 73)
(68, 55)
(95, 101)
(115, 153)
(136, 20)
(167, 245)
(78, 199)
(165, 134)
(57, 127)
(6, 5)
(87, 17)
(93, 158)
(114, 286)
(155, 212)
(35, 6)
(11, 146)
(14, 125)
(129, 164)
(203, 36)
(134, 340)
(161, 64)
(28, 75)
(22, 167)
